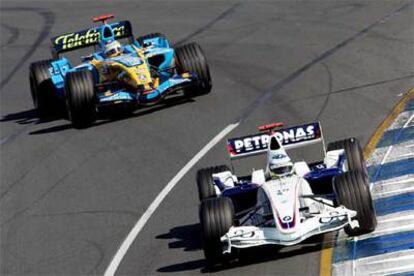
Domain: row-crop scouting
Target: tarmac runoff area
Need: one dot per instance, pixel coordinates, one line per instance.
(389, 250)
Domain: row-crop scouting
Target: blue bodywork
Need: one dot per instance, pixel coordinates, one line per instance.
(155, 48)
(320, 179)
(320, 172)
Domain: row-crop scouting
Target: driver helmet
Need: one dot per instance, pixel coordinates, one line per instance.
(280, 169)
(113, 49)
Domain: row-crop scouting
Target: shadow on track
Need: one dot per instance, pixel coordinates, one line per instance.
(119, 115)
(30, 117)
(188, 237)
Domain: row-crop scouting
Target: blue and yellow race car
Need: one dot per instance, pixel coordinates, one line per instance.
(140, 72)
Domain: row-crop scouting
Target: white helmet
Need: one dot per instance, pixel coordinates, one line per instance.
(113, 49)
(280, 169)
(279, 163)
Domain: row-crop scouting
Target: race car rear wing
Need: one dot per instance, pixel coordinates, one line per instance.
(292, 137)
(86, 38)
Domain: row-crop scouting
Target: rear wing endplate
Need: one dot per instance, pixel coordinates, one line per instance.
(86, 38)
(292, 137)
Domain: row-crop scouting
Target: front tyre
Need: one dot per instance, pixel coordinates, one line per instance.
(81, 99)
(191, 59)
(216, 218)
(352, 191)
(353, 153)
(205, 182)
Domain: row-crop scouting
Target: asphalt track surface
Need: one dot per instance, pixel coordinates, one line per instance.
(69, 197)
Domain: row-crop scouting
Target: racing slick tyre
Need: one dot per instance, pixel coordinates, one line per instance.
(205, 181)
(353, 152)
(216, 218)
(81, 98)
(352, 191)
(142, 38)
(41, 87)
(190, 58)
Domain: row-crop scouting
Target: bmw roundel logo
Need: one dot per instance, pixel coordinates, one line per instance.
(287, 218)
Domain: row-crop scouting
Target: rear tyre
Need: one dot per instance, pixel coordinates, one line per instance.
(205, 182)
(190, 58)
(216, 218)
(353, 152)
(80, 98)
(352, 191)
(42, 88)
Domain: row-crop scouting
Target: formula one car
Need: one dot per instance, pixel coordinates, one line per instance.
(142, 72)
(287, 202)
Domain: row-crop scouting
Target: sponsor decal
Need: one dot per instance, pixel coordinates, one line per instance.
(88, 37)
(258, 143)
(334, 217)
(243, 234)
(128, 60)
(326, 220)
(279, 156)
(142, 77)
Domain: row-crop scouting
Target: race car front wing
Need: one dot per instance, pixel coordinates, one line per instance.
(169, 86)
(249, 236)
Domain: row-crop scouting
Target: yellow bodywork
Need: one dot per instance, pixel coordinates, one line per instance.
(135, 76)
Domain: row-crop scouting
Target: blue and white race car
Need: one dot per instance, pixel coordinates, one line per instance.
(286, 202)
(141, 72)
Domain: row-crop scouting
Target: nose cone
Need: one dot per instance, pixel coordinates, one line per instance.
(283, 195)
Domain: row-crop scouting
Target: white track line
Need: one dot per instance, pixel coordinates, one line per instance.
(398, 191)
(391, 147)
(406, 154)
(402, 181)
(122, 250)
(402, 216)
